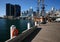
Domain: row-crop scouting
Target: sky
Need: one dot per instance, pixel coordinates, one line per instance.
(26, 4)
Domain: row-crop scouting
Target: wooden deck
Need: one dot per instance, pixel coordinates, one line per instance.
(49, 32)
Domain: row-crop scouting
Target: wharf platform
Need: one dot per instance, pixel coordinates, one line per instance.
(49, 32)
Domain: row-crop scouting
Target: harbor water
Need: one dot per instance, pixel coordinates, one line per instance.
(5, 24)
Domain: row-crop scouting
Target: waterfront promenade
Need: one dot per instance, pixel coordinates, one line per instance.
(49, 32)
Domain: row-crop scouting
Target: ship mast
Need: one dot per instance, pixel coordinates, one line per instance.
(38, 7)
(43, 8)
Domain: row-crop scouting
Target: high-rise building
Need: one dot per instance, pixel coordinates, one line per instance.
(30, 11)
(8, 9)
(17, 10)
(13, 10)
(34, 13)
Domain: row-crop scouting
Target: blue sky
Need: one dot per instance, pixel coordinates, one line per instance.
(26, 4)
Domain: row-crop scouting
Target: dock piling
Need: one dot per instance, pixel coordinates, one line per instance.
(11, 31)
(28, 25)
(35, 23)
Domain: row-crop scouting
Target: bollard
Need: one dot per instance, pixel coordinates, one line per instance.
(28, 25)
(11, 31)
(35, 23)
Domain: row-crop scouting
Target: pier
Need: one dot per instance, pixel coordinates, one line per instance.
(49, 32)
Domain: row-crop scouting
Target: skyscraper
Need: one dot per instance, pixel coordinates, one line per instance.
(17, 10)
(30, 11)
(8, 9)
(13, 10)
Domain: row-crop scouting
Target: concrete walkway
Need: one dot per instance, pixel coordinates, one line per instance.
(49, 32)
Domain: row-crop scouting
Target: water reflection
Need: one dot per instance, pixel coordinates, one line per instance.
(5, 24)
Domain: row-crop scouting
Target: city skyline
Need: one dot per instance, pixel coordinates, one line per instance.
(26, 4)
